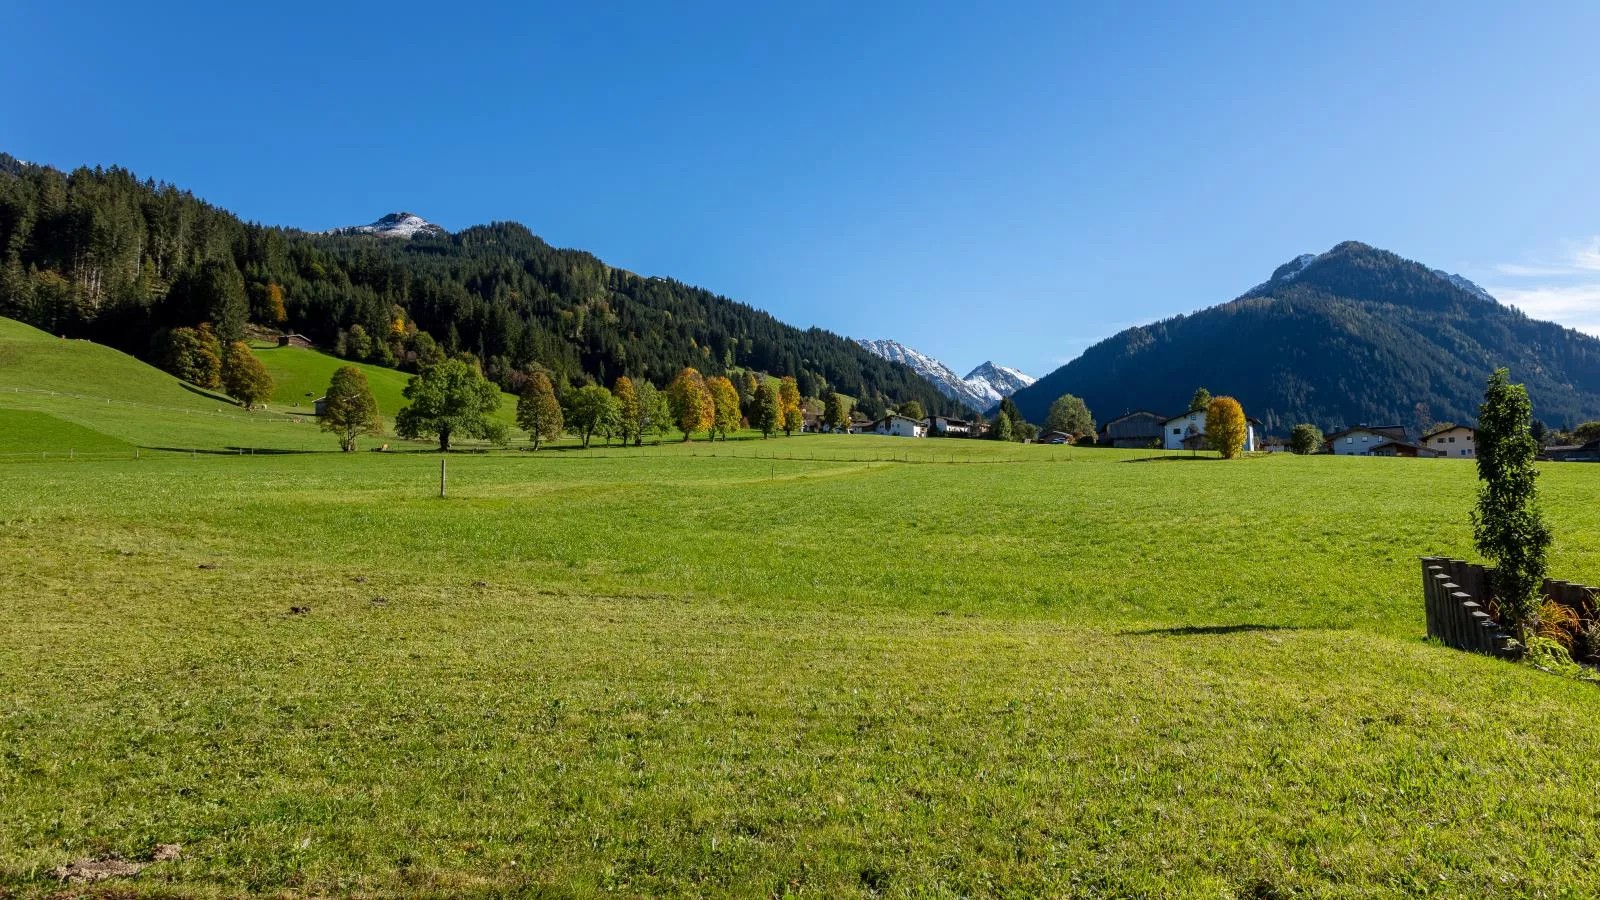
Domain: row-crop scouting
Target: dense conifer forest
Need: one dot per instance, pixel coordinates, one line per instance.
(1355, 335)
(102, 254)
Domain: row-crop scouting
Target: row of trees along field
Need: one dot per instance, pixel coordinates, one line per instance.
(102, 254)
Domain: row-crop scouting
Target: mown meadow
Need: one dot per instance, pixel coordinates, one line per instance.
(976, 670)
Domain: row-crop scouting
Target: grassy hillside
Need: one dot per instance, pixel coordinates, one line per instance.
(985, 670)
(300, 376)
(95, 394)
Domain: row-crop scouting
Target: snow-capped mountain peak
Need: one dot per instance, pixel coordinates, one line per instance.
(397, 225)
(981, 390)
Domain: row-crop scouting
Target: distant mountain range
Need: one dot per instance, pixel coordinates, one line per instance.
(982, 389)
(1353, 335)
(396, 225)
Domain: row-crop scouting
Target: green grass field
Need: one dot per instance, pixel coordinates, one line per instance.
(300, 376)
(673, 673)
(821, 665)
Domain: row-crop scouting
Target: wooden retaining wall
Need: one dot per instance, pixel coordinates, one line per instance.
(1460, 604)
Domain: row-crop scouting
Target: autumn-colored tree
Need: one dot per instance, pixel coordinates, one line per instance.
(836, 412)
(725, 406)
(627, 425)
(349, 410)
(790, 417)
(266, 303)
(693, 408)
(538, 411)
(765, 409)
(1226, 427)
(192, 355)
(244, 378)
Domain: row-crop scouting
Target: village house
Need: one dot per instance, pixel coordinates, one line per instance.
(1137, 430)
(1360, 440)
(945, 426)
(859, 424)
(896, 425)
(1405, 449)
(1057, 437)
(1187, 431)
(1589, 452)
(293, 340)
(1456, 441)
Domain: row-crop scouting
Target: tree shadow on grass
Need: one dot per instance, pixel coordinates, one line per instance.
(1149, 459)
(233, 451)
(210, 394)
(1197, 630)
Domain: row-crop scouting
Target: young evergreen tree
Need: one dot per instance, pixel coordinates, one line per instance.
(1001, 430)
(1508, 526)
(244, 378)
(789, 405)
(627, 408)
(538, 411)
(1305, 439)
(1226, 427)
(1200, 401)
(450, 399)
(725, 406)
(349, 410)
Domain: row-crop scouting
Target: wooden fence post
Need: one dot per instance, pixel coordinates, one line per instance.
(1430, 567)
(1443, 591)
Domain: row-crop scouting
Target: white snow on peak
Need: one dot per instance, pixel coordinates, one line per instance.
(1466, 284)
(981, 390)
(398, 225)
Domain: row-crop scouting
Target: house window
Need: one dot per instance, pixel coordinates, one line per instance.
(1177, 431)
(1363, 439)
(1452, 440)
(1349, 440)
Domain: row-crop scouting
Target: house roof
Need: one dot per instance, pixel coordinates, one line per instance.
(1438, 431)
(1137, 412)
(1406, 444)
(898, 416)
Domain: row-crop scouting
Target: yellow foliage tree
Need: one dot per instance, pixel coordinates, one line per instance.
(790, 419)
(725, 405)
(693, 408)
(1225, 426)
(627, 408)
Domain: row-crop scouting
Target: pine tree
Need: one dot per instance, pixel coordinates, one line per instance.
(538, 411)
(1201, 400)
(1508, 526)
(348, 409)
(836, 412)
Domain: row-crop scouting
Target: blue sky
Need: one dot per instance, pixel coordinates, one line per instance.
(977, 182)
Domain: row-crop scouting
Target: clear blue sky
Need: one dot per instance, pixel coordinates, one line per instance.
(977, 183)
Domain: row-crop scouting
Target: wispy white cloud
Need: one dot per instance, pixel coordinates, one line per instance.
(1573, 305)
(1574, 258)
(1563, 286)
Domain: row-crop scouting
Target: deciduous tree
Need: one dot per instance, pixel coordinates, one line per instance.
(655, 414)
(911, 409)
(1226, 427)
(349, 410)
(244, 378)
(1305, 439)
(538, 410)
(1069, 414)
(836, 412)
(1508, 526)
(793, 419)
(693, 408)
(451, 399)
(766, 408)
(590, 409)
(725, 406)
(192, 355)
(627, 408)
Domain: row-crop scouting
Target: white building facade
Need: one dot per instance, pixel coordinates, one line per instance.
(896, 425)
(1456, 443)
(1185, 426)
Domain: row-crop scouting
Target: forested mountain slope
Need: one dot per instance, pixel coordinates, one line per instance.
(1354, 335)
(100, 253)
